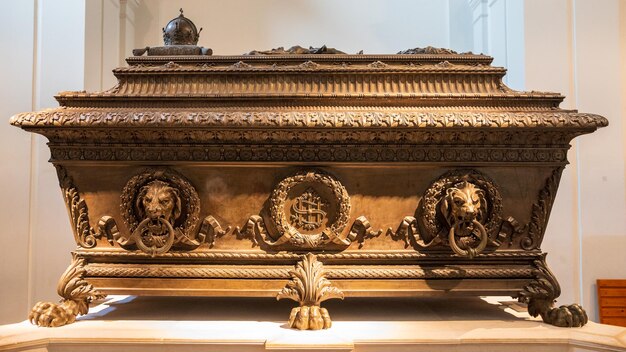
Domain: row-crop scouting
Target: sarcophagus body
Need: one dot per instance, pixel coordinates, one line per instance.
(418, 173)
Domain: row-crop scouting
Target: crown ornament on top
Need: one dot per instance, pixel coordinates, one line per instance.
(181, 31)
(180, 37)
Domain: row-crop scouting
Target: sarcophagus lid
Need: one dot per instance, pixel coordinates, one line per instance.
(423, 96)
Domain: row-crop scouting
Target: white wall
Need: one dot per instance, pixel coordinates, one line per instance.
(46, 41)
(17, 95)
(575, 47)
(238, 26)
(570, 46)
(550, 66)
(600, 87)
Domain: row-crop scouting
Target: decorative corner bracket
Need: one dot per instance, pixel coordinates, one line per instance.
(309, 287)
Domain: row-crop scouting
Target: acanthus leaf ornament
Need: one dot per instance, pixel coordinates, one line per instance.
(76, 295)
(540, 295)
(309, 287)
(541, 211)
(84, 235)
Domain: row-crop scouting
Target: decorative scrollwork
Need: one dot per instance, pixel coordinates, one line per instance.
(161, 209)
(309, 287)
(466, 206)
(541, 211)
(84, 235)
(210, 230)
(319, 208)
(408, 232)
(361, 230)
(254, 229)
(76, 295)
(540, 295)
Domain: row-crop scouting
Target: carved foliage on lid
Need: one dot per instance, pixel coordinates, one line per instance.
(429, 50)
(327, 119)
(296, 50)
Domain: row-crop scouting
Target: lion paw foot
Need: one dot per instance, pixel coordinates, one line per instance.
(309, 318)
(569, 316)
(48, 314)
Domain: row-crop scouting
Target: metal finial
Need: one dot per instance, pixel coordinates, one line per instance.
(181, 11)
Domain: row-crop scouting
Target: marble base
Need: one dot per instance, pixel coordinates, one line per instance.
(128, 323)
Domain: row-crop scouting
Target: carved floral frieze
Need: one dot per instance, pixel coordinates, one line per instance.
(71, 117)
(304, 152)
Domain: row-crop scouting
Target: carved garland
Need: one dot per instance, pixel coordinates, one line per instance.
(343, 119)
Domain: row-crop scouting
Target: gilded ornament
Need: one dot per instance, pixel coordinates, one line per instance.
(76, 295)
(318, 214)
(540, 295)
(161, 210)
(309, 287)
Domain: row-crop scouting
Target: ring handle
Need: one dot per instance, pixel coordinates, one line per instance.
(154, 250)
(470, 252)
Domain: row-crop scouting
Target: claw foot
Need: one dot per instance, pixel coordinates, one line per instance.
(566, 316)
(48, 314)
(309, 318)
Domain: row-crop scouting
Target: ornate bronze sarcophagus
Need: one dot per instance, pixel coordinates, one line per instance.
(308, 174)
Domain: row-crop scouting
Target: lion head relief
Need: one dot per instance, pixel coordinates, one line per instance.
(463, 203)
(158, 200)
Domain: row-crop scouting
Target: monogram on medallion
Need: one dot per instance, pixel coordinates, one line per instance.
(308, 211)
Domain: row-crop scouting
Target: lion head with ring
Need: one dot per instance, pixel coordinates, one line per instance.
(464, 207)
(159, 206)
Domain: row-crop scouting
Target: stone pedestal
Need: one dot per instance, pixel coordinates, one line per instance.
(128, 323)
